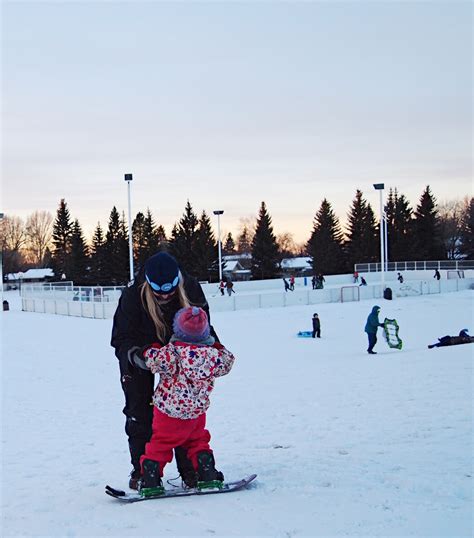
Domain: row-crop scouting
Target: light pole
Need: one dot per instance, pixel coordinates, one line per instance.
(219, 212)
(128, 179)
(379, 187)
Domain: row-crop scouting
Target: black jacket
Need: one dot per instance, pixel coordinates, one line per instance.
(316, 324)
(133, 328)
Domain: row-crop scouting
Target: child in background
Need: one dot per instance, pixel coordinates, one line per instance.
(187, 365)
(316, 326)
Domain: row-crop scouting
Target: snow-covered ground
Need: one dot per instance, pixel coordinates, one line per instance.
(344, 444)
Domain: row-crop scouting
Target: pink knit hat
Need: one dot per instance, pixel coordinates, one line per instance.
(191, 324)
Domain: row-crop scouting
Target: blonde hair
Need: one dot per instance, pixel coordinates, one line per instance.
(152, 307)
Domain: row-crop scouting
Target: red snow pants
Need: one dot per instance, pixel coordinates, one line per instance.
(169, 432)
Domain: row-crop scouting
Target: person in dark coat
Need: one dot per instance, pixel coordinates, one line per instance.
(462, 338)
(362, 281)
(436, 275)
(230, 287)
(316, 326)
(144, 316)
(371, 327)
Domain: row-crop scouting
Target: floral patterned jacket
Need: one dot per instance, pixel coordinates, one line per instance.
(187, 373)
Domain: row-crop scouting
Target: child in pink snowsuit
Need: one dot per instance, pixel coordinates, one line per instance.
(187, 365)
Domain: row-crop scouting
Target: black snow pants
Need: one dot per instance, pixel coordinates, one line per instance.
(137, 385)
(372, 341)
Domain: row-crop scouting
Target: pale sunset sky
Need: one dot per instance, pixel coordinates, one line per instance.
(231, 103)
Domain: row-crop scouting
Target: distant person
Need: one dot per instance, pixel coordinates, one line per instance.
(371, 327)
(313, 282)
(222, 287)
(285, 283)
(229, 287)
(356, 277)
(362, 281)
(462, 338)
(292, 282)
(400, 278)
(437, 275)
(316, 326)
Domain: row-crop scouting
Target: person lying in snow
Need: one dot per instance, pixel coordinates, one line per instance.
(462, 338)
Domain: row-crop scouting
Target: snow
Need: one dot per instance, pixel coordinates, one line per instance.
(344, 444)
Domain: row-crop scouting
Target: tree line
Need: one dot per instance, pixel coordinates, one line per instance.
(428, 232)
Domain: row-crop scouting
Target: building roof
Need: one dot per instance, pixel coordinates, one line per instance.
(31, 274)
(301, 262)
(231, 266)
(242, 256)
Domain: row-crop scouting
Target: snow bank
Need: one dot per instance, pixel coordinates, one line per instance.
(344, 444)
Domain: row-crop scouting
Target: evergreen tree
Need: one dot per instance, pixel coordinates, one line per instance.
(361, 244)
(140, 239)
(98, 258)
(244, 243)
(152, 241)
(116, 250)
(207, 267)
(401, 246)
(48, 258)
(390, 219)
(264, 248)
(467, 231)
(325, 244)
(161, 238)
(79, 257)
(426, 227)
(62, 232)
(183, 241)
(229, 244)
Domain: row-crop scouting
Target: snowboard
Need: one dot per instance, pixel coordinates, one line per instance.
(178, 492)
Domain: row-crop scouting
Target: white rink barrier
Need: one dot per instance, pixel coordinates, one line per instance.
(101, 302)
(98, 302)
(331, 294)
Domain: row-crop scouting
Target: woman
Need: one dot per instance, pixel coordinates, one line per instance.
(144, 316)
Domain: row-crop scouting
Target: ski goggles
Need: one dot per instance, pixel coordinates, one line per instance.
(164, 288)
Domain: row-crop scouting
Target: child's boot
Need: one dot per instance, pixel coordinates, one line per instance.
(208, 476)
(185, 467)
(150, 482)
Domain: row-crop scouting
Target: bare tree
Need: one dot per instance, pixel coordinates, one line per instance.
(39, 228)
(13, 233)
(450, 221)
(12, 240)
(287, 245)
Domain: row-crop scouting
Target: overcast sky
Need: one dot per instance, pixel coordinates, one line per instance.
(228, 104)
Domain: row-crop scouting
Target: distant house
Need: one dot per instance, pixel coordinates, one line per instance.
(300, 266)
(13, 280)
(237, 266)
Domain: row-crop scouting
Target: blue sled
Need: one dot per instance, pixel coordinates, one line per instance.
(305, 334)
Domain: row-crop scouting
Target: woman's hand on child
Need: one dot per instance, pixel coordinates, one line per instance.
(140, 356)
